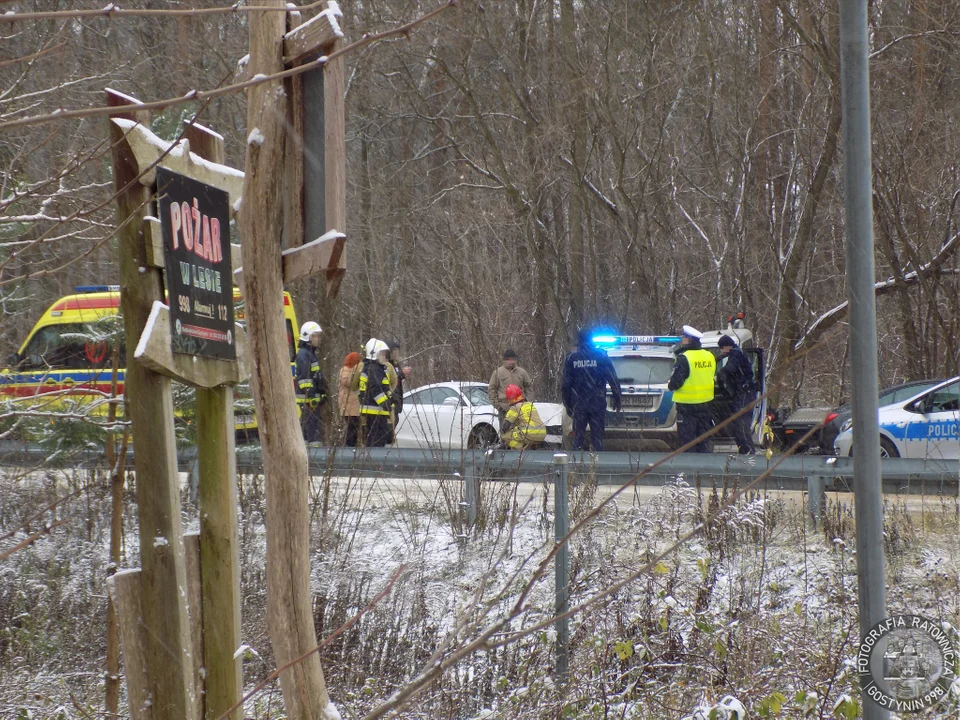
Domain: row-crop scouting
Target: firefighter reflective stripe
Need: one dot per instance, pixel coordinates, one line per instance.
(698, 387)
(305, 383)
(526, 426)
(380, 408)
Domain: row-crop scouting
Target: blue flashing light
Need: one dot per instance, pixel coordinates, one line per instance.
(80, 289)
(605, 339)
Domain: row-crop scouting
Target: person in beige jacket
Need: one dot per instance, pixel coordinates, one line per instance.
(508, 374)
(347, 399)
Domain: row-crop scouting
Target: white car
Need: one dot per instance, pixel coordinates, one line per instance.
(924, 426)
(459, 415)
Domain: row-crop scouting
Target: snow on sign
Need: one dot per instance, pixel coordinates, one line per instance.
(195, 224)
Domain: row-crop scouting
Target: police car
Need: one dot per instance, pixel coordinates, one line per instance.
(923, 426)
(644, 363)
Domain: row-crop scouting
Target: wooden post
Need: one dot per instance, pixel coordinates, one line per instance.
(335, 158)
(149, 404)
(219, 535)
(219, 550)
(289, 606)
(124, 589)
(191, 554)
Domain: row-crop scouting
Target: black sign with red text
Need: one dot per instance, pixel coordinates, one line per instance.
(195, 223)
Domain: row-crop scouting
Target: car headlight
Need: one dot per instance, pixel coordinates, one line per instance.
(847, 424)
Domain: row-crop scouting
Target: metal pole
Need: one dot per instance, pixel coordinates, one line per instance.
(858, 208)
(470, 491)
(562, 526)
(815, 498)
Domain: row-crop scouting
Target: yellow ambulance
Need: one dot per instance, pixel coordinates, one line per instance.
(65, 363)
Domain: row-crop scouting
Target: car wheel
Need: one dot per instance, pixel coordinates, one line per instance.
(888, 449)
(482, 436)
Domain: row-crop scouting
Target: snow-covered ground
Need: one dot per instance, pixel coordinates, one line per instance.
(759, 606)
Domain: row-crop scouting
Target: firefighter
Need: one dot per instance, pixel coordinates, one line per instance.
(522, 428)
(735, 377)
(397, 372)
(311, 384)
(375, 393)
(586, 373)
(692, 383)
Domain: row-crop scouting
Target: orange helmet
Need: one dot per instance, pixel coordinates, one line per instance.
(513, 393)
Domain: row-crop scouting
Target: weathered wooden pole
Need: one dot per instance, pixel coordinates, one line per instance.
(149, 405)
(219, 535)
(125, 593)
(289, 607)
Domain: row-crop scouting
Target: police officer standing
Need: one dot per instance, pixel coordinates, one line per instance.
(692, 385)
(736, 379)
(586, 373)
(311, 384)
(376, 394)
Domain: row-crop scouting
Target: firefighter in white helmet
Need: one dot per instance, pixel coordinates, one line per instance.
(311, 385)
(375, 392)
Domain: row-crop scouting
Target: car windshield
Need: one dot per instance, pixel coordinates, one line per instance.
(643, 370)
(477, 394)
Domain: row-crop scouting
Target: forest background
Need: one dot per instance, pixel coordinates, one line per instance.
(518, 168)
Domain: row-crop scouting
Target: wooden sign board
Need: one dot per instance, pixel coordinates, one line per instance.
(195, 224)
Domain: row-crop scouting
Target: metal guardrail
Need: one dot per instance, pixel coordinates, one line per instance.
(899, 475)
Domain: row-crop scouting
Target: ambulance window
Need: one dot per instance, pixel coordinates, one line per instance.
(71, 346)
(291, 342)
(643, 370)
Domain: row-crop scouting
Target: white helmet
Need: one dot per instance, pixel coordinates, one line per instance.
(374, 347)
(309, 328)
(733, 707)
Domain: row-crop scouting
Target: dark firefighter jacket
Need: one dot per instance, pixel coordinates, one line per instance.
(310, 382)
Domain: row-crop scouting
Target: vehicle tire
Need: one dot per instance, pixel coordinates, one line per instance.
(888, 449)
(482, 437)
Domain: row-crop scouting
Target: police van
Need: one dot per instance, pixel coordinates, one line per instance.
(644, 363)
(65, 362)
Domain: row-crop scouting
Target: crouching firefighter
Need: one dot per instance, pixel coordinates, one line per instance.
(522, 428)
(311, 384)
(375, 392)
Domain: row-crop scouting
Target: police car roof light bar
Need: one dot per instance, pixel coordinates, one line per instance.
(636, 339)
(82, 289)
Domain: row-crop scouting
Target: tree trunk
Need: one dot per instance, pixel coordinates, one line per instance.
(289, 617)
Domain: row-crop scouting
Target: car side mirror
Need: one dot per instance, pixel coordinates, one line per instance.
(450, 402)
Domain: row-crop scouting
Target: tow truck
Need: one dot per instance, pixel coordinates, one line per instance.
(648, 419)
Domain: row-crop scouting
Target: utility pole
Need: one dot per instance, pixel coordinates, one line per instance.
(858, 208)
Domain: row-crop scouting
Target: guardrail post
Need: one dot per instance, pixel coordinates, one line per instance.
(471, 491)
(816, 500)
(561, 524)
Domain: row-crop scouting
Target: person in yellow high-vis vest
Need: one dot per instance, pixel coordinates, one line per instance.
(692, 383)
(522, 427)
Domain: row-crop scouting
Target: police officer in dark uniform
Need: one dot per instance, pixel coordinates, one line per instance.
(735, 378)
(586, 373)
(311, 384)
(692, 383)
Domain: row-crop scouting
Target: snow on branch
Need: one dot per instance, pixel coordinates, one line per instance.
(830, 318)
